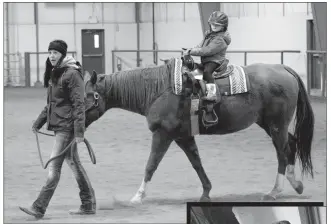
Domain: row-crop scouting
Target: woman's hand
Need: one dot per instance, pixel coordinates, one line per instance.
(79, 140)
(34, 130)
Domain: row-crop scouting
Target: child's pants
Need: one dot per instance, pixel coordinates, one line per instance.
(208, 69)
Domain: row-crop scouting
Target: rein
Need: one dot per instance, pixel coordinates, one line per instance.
(70, 146)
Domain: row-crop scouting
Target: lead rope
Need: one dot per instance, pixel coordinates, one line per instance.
(70, 146)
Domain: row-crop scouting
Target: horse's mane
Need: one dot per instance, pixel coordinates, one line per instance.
(137, 88)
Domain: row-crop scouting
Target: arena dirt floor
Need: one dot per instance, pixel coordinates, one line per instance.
(241, 166)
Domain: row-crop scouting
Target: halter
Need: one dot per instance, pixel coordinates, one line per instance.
(95, 103)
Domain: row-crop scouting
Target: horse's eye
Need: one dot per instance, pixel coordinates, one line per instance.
(96, 95)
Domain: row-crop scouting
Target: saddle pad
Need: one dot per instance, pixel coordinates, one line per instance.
(176, 76)
(238, 81)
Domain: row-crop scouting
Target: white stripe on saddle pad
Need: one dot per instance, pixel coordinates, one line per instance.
(178, 76)
(238, 82)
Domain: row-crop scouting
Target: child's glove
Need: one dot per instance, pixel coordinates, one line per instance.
(186, 51)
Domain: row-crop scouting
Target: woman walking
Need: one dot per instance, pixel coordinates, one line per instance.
(65, 115)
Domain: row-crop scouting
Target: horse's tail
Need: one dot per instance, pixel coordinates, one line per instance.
(304, 127)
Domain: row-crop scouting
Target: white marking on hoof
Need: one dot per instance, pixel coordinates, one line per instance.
(141, 194)
(272, 195)
(137, 199)
(290, 175)
(278, 188)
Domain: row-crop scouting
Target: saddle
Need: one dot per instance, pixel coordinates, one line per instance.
(209, 116)
(223, 71)
(229, 79)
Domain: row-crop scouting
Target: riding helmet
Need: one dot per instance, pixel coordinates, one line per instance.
(219, 18)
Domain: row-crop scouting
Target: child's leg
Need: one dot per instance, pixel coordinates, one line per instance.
(208, 70)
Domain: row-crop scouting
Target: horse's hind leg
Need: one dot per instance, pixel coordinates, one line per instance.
(190, 148)
(290, 174)
(160, 144)
(285, 145)
(280, 141)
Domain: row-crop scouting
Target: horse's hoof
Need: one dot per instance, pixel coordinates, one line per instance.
(299, 188)
(268, 197)
(136, 201)
(138, 198)
(205, 199)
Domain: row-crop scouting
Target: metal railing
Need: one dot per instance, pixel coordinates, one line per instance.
(265, 52)
(322, 55)
(155, 55)
(13, 69)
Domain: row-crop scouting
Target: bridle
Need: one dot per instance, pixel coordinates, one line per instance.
(95, 103)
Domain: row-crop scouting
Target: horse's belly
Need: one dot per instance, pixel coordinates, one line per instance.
(228, 125)
(236, 113)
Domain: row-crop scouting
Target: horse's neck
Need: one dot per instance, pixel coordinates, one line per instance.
(122, 102)
(137, 97)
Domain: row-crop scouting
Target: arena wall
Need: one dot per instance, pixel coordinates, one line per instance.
(267, 26)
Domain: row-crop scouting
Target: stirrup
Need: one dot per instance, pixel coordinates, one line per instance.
(207, 123)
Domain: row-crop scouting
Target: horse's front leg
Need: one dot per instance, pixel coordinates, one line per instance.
(190, 148)
(160, 144)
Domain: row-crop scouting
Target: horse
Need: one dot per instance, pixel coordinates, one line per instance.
(276, 92)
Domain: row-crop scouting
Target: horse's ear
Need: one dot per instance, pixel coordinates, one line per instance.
(94, 77)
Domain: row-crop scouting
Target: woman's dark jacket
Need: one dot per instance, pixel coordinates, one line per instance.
(65, 109)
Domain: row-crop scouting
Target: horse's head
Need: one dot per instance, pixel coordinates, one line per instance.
(95, 104)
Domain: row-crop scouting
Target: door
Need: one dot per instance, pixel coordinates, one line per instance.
(93, 51)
